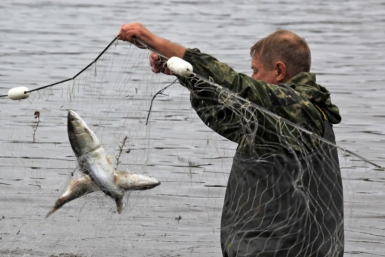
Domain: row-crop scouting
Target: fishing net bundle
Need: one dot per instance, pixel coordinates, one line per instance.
(293, 207)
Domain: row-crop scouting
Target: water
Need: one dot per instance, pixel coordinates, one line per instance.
(46, 41)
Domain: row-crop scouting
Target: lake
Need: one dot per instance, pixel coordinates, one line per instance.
(48, 41)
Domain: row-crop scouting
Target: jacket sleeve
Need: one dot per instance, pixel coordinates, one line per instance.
(227, 119)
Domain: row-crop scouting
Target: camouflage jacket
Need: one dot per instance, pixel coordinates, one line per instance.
(300, 100)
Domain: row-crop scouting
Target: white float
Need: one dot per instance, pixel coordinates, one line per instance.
(179, 66)
(18, 93)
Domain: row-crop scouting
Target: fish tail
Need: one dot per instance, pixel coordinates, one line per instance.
(59, 203)
(119, 204)
(50, 212)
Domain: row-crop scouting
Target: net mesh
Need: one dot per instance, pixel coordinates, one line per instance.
(275, 205)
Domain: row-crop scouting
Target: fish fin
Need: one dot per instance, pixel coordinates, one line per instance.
(119, 204)
(75, 189)
(50, 212)
(58, 204)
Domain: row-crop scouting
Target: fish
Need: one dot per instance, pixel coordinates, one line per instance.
(96, 166)
(83, 186)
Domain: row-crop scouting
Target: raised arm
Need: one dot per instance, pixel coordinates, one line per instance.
(130, 31)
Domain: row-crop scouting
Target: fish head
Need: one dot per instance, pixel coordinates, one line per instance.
(82, 138)
(128, 181)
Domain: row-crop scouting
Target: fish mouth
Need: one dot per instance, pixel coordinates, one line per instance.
(72, 119)
(73, 116)
(82, 139)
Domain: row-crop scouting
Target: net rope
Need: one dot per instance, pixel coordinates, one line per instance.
(289, 207)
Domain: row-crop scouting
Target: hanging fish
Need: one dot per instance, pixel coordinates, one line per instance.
(97, 168)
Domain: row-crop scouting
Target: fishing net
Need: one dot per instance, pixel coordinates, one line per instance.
(278, 205)
(113, 96)
(288, 193)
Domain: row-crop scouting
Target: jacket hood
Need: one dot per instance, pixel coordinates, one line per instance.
(305, 84)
